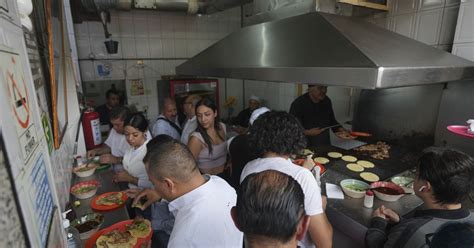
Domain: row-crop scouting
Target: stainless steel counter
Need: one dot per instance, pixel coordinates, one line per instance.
(350, 216)
(107, 185)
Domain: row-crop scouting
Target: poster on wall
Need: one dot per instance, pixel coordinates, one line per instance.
(137, 88)
(19, 101)
(42, 199)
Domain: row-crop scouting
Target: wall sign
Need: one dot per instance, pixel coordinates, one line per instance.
(19, 102)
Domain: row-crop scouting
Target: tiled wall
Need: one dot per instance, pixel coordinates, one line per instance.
(163, 39)
(458, 99)
(430, 21)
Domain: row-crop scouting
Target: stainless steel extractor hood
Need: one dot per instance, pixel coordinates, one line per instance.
(330, 50)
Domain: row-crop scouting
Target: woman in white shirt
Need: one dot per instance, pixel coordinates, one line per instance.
(208, 142)
(134, 173)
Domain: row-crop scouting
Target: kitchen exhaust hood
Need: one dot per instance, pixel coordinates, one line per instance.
(327, 49)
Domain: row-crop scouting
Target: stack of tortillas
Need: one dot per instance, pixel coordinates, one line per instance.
(334, 154)
(354, 167)
(365, 164)
(369, 176)
(348, 158)
(321, 160)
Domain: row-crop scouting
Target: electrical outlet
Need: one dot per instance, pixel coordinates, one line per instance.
(140, 62)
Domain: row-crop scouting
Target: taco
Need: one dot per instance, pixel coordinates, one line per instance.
(116, 239)
(140, 228)
(111, 199)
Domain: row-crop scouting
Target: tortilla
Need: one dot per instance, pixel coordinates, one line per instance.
(369, 176)
(348, 158)
(306, 152)
(355, 167)
(111, 199)
(140, 228)
(334, 155)
(321, 160)
(365, 164)
(116, 239)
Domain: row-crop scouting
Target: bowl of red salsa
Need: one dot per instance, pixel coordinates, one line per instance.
(387, 191)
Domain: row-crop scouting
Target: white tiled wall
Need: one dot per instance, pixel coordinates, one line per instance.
(430, 21)
(457, 101)
(163, 39)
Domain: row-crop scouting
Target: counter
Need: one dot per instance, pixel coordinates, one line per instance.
(107, 185)
(350, 216)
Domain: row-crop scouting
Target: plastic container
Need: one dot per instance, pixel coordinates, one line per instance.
(90, 217)
(346, 183)
(369, 199)
(72, 235)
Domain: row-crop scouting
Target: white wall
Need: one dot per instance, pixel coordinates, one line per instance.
(430, 21)
(163, 39)
(457, 103)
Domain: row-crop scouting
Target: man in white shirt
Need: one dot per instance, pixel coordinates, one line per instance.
(201, 204)
(270, 210)
(190, 126)
(274, 151)
(114, 147)
(167, 121)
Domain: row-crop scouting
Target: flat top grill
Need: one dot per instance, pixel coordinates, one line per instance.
(401, 159)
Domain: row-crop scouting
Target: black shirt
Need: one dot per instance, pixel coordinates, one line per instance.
(240, 155)
(104, 112)
(243, 118)
(313, 115)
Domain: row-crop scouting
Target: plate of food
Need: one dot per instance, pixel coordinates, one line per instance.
(109, 201)
(85, 170)
(128, 233)
(345, 135)
(84, 190)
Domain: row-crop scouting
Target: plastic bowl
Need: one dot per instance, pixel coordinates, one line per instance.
(402, 181)
(353, 193)
(99, 218)
(86, 173)
(87, 194)
(398, 191)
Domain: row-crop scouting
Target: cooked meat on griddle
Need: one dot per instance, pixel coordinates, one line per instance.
(378, 150)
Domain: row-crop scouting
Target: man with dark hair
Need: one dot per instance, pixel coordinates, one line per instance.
(443, 180)
(240, 151)
(115, 145)
(270, 210)
(274, 136)
(112, 100)
(190, 124)
(314, 111)
(167, 122)
(200, 203)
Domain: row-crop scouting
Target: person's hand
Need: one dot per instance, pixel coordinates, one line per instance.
(315, 131)
(123, 176)
(91, 153)
(379, 213)
(390, 215)
(308, 162)
(108, 159)
(150, 195)
(132, 193)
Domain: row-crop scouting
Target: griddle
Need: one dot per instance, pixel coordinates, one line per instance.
(401, 159)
